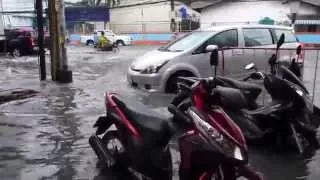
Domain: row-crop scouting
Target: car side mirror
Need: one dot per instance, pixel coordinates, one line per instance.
(299, 49)
(280, 41)
(249, 66)
(214, 56)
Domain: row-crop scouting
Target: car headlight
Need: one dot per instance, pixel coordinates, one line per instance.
(153, 68)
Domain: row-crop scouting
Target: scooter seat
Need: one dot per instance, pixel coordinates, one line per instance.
(254, 90)
(266, 110)
(152, 126)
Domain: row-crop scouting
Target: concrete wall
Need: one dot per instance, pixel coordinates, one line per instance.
(18, 20)
(141, 18)
(240, 12)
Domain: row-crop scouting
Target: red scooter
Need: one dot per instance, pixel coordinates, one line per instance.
(212, 145)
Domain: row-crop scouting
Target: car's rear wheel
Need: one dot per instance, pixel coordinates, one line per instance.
(120, 43)
(16, 52)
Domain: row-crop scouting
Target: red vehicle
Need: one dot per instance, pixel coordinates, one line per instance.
(211, 147)
(23, 41)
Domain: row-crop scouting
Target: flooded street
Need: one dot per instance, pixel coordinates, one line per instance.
(46, 137)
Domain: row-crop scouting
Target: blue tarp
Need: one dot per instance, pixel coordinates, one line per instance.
(309, 38)
(76, 14)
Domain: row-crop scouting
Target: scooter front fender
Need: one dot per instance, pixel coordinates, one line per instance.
(102, 124)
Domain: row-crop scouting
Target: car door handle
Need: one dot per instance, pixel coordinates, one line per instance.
(237, 52)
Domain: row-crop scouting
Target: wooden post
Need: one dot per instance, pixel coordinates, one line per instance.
(53, 40)
(59, 63)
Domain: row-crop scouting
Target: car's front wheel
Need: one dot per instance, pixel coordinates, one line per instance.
(90, 43)
(172, 83)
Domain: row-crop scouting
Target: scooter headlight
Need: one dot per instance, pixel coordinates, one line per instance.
(221, 142)
(299, 92)
(210, 130)
(237, 154)
(306, 99)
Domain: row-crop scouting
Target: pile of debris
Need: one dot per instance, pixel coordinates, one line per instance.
(16, 94)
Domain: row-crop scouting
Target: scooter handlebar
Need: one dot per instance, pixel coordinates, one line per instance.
(178, 113)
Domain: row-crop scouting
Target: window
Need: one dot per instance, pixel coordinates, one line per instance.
(187, 41)
(225, 39)
(289, 36)
(257, 37)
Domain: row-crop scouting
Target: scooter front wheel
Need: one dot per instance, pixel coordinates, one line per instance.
(114, 148)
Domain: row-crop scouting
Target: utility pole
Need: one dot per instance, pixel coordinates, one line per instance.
(39, 9)
(59, 64)
(173, 21)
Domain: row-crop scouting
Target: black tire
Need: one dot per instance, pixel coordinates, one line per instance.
(16, 52)
(166, 168)
(90, 43)
(117, 156)
(120, 43)
(309, 134)
(171, 86)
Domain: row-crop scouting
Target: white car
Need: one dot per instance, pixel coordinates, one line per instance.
(186, 56)
(90, 40)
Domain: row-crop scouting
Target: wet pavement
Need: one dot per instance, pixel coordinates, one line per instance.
(46, 136)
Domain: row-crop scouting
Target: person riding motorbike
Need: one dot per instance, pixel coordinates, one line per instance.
(104, 43)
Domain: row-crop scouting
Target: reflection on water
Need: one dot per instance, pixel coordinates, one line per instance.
(47, 136)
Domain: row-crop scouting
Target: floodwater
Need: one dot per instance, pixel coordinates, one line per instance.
(46, 137)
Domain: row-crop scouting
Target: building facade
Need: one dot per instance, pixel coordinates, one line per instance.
(149, 17)
(252, 12)
(17, 13)
(307, 24)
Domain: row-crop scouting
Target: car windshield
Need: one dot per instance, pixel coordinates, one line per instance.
(187, 41)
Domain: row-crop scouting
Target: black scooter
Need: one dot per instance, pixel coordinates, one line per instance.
(285, 118)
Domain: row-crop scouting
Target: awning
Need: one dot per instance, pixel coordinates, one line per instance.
(308, 22)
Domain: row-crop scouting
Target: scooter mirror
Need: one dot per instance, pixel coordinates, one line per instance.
(280, 41)
(214, 57)
(299, 49)
(249, 66)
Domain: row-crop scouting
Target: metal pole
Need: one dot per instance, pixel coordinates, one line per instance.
(315, 77)
(173, 21)
(39, 9)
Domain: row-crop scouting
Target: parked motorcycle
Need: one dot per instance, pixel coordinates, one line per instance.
(212, 147)
(285, 118)
(114, 48)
